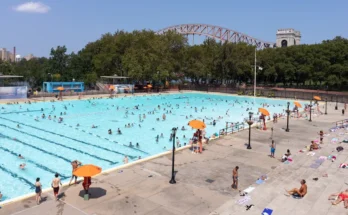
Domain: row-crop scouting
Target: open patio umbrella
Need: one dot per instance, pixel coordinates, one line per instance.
(317, 98)
(61, 89)
(87, 170)
(297, 104)
(264, 111)
(111, 88)
(197, 124)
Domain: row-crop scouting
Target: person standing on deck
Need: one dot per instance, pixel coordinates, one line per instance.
(235, 178)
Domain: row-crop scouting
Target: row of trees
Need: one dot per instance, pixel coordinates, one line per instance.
(145, 56)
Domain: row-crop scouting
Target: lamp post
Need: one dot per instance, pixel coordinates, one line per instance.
(250, 122)
(287, 122)
(172, 180)
(326, 106)
(336, 107)
(310, 112)
(50, 75)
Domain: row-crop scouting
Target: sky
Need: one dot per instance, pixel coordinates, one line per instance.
(37, 26)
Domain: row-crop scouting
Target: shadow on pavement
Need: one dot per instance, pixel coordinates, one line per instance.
(95, 192)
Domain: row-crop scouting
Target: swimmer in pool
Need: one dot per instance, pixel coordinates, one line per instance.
(130, 144)
(22, 165)
(20, 156)
(109, 131)
(161, 135)
(18, 126)
(137, 145)
(119, 131)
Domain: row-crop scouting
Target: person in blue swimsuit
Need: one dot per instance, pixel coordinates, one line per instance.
(272, 149)
(38, 190)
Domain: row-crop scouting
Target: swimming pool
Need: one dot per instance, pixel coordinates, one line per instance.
(49, 146)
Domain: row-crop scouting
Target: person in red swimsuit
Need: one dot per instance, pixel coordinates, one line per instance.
(341, 197)
(86, 183)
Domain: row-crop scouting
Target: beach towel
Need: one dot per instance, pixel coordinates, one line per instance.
(267, 211)
(311, 153)
(334, 140)
(244, 200)
(259, 181)
(249, 189)
(314, 166)
(319, 161)
(343, 165)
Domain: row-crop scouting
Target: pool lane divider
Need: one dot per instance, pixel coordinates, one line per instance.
(37, 148)
(53, 142)
(18, 112)
(100, 147)
(36, 164)
(14, 175)
(113, 141)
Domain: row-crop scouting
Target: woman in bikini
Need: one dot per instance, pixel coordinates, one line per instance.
(38, 190)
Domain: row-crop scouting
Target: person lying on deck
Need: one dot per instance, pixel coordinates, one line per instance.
(340, 197)
(299, 192)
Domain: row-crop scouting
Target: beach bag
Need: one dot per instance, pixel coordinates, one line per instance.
(339, 148)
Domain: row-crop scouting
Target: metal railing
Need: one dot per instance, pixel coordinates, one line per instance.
(331, 96)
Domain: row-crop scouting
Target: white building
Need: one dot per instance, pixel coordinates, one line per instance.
(288, 37)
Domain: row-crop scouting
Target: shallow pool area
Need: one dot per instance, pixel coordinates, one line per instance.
(48, 146)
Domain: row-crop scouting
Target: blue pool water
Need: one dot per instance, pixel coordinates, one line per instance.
(49, 146)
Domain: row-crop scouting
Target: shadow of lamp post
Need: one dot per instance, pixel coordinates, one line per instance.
(326, 106)
(310, 112)
(336, 107)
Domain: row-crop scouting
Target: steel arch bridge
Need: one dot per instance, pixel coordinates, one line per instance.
(216, 32)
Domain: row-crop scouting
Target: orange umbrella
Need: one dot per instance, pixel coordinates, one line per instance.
(196, 124)
(317, 98)
(112, 87)
(264, 111)
(88, 170)
(297, 104)
(149, 86)
(60, 88)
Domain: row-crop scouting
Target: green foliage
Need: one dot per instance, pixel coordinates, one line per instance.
(146, 56)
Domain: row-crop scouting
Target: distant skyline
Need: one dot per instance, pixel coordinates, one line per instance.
(35, 27)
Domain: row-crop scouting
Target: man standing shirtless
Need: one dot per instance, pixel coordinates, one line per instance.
(235, 178)
(74, 166)
(55, 185)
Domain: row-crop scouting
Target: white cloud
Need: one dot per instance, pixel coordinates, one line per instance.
(32, 7)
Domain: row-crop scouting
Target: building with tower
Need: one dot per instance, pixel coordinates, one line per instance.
(288, 37)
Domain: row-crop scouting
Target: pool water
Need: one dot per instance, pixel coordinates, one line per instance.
(49, 146)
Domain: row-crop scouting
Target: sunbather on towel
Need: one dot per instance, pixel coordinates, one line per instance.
(313, 146)
(341, 197)
(300, 192)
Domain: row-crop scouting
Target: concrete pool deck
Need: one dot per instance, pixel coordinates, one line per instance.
(132, 191)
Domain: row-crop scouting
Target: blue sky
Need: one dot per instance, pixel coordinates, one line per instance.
(74, 23)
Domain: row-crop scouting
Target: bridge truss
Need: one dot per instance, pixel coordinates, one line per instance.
(216, 32)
